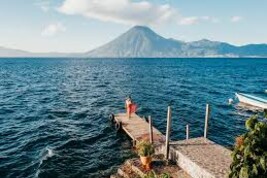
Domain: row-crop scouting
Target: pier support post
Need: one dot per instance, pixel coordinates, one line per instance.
(168, 129)
(206, 120)
(134, 143)
(187, 132)
(150, 129)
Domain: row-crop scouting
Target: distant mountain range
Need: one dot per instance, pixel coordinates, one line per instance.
(7, 52)
(141, 41)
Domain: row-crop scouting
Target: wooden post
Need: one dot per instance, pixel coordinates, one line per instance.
(168, 129)
(150, 129)
(134, 143)
(206, 120)
(187, 132)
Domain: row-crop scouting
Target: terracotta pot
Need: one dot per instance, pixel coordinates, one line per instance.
(146, 161)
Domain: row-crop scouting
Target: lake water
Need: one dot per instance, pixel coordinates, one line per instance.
(53, 112)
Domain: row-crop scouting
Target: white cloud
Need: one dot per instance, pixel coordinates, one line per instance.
(188, 20)
(129, 12)
(195, 20)
(236, 18)
(120, 11)
(45, 5)
(53, 29)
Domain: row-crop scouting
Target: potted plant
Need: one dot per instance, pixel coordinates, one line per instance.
(152, 174)
(145, 150)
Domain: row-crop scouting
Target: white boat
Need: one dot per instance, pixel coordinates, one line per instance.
(252, 100)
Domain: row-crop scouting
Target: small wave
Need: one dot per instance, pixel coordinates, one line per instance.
(50, 152)
(243, 114)
(37, 173)
(47, 153)
(60, 113)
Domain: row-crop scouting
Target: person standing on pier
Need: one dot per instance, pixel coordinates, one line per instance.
(130, 106)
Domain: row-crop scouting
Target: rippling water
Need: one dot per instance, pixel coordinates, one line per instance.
(53, 112)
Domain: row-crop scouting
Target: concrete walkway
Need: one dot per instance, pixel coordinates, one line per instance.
(201, 158)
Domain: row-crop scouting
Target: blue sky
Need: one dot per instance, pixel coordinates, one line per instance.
(81, 25)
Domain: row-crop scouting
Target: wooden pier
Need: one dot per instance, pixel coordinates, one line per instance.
(198, 157)
(137, 128)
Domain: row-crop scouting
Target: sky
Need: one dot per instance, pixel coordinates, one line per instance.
(82, 25)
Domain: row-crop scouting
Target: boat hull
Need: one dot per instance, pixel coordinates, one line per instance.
(251, 100)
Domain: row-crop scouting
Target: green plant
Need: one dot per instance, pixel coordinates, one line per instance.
(145, 148)
(250, 152)
(165, 175)
(152, 174)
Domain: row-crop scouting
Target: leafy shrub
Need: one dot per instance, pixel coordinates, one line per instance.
(145, 148)
(152, 174)
(250, 152)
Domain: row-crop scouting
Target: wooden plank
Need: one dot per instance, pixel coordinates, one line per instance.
(137, 128)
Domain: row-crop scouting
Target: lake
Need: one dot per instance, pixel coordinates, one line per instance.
(54, 112)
